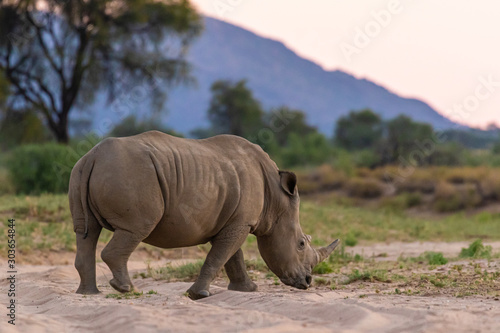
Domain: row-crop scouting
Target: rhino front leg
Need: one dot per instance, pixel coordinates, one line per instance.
(237, 273)
(116, 255)
(224, 246)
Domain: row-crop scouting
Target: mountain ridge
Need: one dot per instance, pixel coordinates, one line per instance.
(278, 76)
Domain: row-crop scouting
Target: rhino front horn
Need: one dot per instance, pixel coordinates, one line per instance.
(324, 252)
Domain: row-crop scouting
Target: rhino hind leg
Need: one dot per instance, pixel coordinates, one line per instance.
(224, 246)
(85, 258)
(237, 273)
(116, 255)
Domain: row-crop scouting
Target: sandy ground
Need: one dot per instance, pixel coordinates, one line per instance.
(47, 303)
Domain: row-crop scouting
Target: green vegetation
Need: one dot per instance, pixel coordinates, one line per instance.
(132, 126)
(359, 130)
(44, 222)
(476, 250)
(331, 219)
(364, 188)
(129, 295)
(42, 168)
(379, 275)
(323, 268)
(107, 49)
(435, 258)
(186, 272)
(233, 109)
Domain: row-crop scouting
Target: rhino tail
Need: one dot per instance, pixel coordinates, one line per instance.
(84, 191)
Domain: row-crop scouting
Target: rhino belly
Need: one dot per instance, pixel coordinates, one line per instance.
(177, 232)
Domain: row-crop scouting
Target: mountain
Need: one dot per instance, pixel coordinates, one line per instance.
(277, 76)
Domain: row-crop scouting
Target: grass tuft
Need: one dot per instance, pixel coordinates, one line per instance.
(476, 250)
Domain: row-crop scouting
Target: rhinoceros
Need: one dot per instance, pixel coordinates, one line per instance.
(173, 192)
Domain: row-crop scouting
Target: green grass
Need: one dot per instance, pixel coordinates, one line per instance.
(330, 220)
(129, 295)
(379, 275)
(44, 223)
(323, 267)
(187, 272)
(435, 258)
(476, 250)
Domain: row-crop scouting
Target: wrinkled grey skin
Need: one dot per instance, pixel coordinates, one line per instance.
(171, 192)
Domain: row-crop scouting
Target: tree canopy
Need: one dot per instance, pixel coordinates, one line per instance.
(58, 54)
(358, 130)
(233, 109)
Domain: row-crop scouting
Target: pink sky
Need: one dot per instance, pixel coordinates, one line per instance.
(441, 52)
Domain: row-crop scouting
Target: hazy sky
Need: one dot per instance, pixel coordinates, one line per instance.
(445, 52)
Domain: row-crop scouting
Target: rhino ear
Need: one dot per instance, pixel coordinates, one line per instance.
(288, 182)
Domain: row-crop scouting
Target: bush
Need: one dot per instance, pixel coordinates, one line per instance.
(476, 249)
(490, 186)
(40, 168)
(322, 178)
(350, 239)
(466, 175)
(435, 258)
(6, 186)
(451, 198)
(364, 188)
(422, 180)
(366, 158)
(402, 201)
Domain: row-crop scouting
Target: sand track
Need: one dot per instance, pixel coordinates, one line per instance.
(47, 303)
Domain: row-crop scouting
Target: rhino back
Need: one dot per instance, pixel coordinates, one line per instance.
(189, 188)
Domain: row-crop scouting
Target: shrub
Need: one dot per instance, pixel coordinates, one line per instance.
(366, 158)
(402, 201)
(476, 249)
(330, 178)
(465, 175)
(41, 168)
(446, 198)
(435, 258)
(6, 186)
(364, 188)
(489, 188)
(452, 198)
(350, 239)
(412, 199)
(422, 180)
(323, 178)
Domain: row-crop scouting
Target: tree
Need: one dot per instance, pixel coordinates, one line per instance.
(309, 149)
(21, 127)
(403, 136)
(233, 109)
(4, 89)
(496, 148)
(359, 130)
(58, 54)
(283, 121)
(131, 126)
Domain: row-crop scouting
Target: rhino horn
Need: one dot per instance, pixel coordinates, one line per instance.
(324, 252)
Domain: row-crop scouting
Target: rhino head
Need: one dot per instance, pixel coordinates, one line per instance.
(286, 250)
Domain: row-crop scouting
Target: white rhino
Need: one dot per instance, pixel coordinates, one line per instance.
(172, 192)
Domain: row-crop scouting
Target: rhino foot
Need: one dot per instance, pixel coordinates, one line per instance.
(194, 295)
(242, 286)
(123, 288)
(87, 290)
